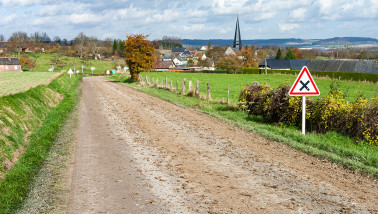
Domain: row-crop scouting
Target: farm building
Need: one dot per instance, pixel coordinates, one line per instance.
(284, 64)
(10, 64)
(162, 65)
(343, 65)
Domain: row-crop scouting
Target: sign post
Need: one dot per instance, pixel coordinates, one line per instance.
(304, 86)
(70, 72)
(93, 68)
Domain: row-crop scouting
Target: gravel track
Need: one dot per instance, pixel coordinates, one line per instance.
(138, 154)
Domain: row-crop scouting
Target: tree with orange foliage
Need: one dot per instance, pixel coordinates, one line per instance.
(297, 52)
(139, 55)
(248, 55)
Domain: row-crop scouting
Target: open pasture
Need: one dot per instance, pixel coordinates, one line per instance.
(15, 82)
(220, 82)
(44, 62)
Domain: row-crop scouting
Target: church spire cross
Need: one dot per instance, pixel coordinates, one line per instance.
(237, 39)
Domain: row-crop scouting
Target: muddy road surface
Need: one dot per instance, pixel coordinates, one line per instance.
(138, 154)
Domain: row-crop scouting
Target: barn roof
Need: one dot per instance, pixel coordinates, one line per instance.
(162, 64)
(293, 64)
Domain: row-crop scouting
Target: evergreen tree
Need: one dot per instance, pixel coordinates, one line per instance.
(290, 55)
(121, 45)
(115, 46)
(208, 45)
(279, 54)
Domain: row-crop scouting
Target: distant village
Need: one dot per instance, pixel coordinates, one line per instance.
(173, 56)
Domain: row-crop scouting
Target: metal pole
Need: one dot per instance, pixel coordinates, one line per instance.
(303, 114)
(265, 67)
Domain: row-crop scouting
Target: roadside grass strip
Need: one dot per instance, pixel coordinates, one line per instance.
(335, 147)
(16, 185)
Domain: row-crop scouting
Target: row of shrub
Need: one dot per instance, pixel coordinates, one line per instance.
(370, 77)
(329, 113)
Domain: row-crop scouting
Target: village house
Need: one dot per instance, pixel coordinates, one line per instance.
(231, 51)
(10, 64)
(204, 48)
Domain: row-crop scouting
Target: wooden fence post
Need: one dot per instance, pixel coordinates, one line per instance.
(166, 80)
(228, 94)
(183, 86)
(147, 80)
(153, 82)
(157, 82)
(197, 88)
(171, 86)
(190, 88)
(177, 91)
(208, 91)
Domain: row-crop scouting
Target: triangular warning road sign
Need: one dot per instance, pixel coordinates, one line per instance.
(304, 85)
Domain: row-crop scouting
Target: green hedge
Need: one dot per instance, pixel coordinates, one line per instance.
(330, 113)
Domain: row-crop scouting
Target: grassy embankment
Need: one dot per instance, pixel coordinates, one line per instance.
(29, 123)
(332, 146)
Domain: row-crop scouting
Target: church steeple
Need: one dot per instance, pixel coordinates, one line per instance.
(237, 39)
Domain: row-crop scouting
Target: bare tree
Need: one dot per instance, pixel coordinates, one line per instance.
(18, 40)
(80, 42)
(94, 46)
(57, 39)
(36, 38)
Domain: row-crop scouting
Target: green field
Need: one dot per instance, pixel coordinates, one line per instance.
(44, 63)
(220, 82)
(15, 82)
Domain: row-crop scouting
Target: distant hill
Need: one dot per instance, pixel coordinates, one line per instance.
(347, 40)
(285, 42)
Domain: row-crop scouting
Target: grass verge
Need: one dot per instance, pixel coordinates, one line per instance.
(332, 146)
(16, 185)
(49, 193)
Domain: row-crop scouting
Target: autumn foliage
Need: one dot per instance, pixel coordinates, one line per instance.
(139, 55)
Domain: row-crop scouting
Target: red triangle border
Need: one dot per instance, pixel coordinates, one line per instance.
(291, 93)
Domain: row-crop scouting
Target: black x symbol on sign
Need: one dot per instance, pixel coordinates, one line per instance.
(304, 85)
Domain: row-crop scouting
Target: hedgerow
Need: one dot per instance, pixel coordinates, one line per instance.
(329, 113)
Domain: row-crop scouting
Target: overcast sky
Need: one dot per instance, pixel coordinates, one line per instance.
(192, 19)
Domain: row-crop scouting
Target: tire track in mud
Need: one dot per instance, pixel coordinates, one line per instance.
(190, 162)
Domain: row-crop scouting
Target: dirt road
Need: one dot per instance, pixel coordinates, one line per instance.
(139, 154)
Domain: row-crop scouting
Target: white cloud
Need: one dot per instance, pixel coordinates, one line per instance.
(287, 27)
(194, 27)
(50, 10)
(7, 19)
(299, 14)
(85, 18)
(229, 6)
(265, 15)
(21, 3)
(130, 12)
(166, 16)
